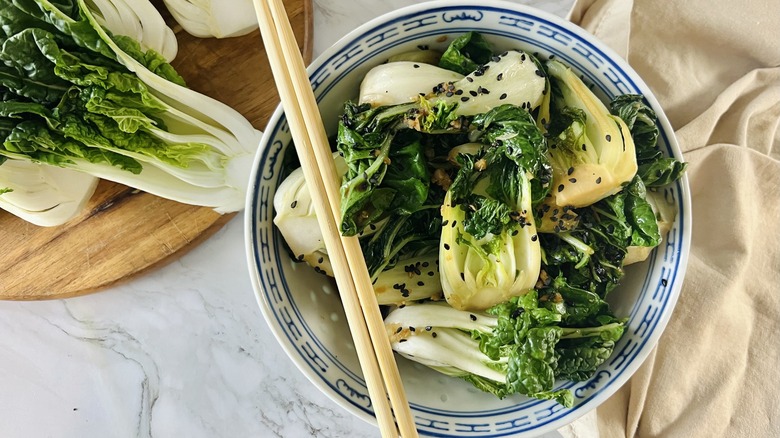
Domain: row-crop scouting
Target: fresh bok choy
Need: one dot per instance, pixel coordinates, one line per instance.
(97, 103)
(43, 195)
(212, 18)
(139, 20)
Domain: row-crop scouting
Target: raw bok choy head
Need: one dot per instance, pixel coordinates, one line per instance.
(84, 98)
(591, 151)
(489, 250)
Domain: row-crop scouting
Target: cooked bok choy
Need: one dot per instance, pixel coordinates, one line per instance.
(469, 190)
(489, 250)
(591, 151)
(516, 347)
(97, 103)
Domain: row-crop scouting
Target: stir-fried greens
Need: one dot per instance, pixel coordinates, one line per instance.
(496, 211)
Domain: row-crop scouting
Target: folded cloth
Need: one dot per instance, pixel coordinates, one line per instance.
(715, 68)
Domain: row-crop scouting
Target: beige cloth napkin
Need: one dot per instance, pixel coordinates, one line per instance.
(715, 68)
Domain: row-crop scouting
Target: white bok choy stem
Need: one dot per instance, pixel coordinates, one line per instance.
(139, 20)
(212, 18)
(43, 195)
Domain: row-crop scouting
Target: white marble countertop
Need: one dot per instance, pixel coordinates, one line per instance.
(182, 351)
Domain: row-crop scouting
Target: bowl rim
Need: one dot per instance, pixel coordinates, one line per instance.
(666, 131)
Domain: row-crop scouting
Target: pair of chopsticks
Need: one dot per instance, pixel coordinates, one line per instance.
(357, 293)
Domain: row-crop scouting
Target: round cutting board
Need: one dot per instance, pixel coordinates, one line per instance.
(123, 231)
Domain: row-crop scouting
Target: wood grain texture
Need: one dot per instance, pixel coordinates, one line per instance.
(122, 231)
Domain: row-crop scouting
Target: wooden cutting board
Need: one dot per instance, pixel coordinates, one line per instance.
(122, 231)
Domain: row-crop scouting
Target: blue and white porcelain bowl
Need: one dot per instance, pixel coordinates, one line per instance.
(303, 308)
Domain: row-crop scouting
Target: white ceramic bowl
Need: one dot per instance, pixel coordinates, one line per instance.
(303, 308)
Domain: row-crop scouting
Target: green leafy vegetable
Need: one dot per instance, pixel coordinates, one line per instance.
(655, 169)
(516, 347)
(466, 53)
(80, 97)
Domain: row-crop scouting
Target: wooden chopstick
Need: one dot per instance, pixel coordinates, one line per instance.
(362, 310)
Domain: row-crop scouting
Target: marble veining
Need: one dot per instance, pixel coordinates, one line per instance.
(182, 351)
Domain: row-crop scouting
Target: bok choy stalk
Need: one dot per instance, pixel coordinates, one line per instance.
(212, 18)
(43, 195)
(516, 347)
(96, 103)
(139, 20)
(489, 250)
(591, 151)
(296, 220)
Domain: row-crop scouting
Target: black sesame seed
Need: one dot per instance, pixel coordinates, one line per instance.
(560, 188)
(473, 93)
(444, 224)
(534, 238)
(570, 171)
(428, 328)
(416, 66)
(433, 334)
(398, 330)
(449, 94)
(412, 329)
(572, 180)
(430, 273)
(402, 340)
(502, 96)
(539, 73)
(320, 260)
(294, 204)
(515, 232)
(495, 58)
(469, 78)
(473, 317)
(458, 92)
(425, 264)
(584, 148)
(463, 276)
(608, 137)
(500, 76)
(598, 180)
(464, 99)
(446, 246)
(420, 283)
